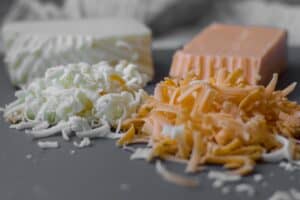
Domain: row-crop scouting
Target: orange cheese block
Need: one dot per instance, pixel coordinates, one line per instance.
(258, 51)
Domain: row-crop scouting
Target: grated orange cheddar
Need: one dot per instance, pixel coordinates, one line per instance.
(223, 121)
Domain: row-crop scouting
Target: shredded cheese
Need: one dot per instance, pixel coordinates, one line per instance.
(258, 177)
(81, 100)
(289, 166)
(224, 177)
(245, 188)
(48, 144)
(141, 153)
(281, 195)
(172, 131)
(174, 178)
(225, 122)
(28, 156)
(85, 142)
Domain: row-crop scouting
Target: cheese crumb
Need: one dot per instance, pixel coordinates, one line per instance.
(28, 156)
(258, 177)
(217, 184)
(248, 189)
(281, 195)
(72, 152)
(288, 166)
(85, 142)
(48, 144)
(141, 153)
(224, 177)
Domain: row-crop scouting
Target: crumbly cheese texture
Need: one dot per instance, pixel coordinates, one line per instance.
(81, 98)
(32, 47)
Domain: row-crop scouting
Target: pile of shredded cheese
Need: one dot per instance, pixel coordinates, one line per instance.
(78, 99)
(223, 121)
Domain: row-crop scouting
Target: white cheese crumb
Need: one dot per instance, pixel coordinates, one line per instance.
(224, 177)
(288, 166)
(28, 156)
(217, 184)
(85, 142)
(48, 144)
(220, 178)
(41, 126)
(24, 125)
(50, 105)
(281, 195)
(172, 131)
(248, 189)
(141, 153)
(258, 177)
(280, 154)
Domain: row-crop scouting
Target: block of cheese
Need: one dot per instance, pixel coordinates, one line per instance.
(258, 51)
(32, 47)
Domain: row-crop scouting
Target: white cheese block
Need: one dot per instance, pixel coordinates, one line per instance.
(32, 47)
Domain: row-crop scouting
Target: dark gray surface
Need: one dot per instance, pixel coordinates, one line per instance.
(96, 173)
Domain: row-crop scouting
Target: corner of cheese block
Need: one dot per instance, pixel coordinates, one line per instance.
(275, 59)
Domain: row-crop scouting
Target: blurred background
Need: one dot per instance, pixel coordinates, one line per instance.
(173, 22)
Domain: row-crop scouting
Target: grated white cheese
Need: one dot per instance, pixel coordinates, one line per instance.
(48, 144)
(280, 154)
(292, 194)
(245, 188)
(85, 142)
(281, 195)
(24, 125)
(41, 126)
(289, 166)
(28, 156)
(141, 153)
(72, 152)
(79, 100)
(224, 177)
(257, 177)
(217, 184)
(220, 178)
(172, 131)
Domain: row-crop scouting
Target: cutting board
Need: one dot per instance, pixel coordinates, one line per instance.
(104, 172)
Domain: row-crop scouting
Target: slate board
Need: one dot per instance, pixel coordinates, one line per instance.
(98, 173)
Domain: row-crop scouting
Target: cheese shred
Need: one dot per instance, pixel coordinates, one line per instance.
(173, 177)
